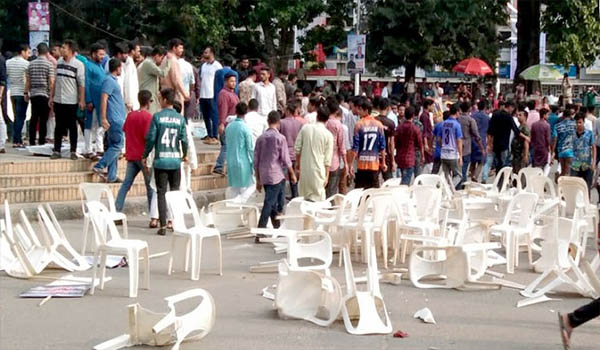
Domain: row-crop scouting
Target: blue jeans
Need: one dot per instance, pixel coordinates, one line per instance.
(133, 168)
(465, 169)
(20, 110)
(222, 153)
(211, 117)
(501, 160)
(111, 156)
(489, 160)
(406, 175)
(273, 205)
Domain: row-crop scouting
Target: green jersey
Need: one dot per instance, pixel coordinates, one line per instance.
(167, 135)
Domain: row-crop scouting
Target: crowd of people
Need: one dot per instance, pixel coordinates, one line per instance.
(278, 128)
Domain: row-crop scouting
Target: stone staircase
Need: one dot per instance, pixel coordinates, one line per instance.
(38, 180)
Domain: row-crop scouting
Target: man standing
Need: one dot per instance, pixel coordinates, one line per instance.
(271, 157)
(532, 115)
(478, 155)
(39, 84)
(149, 74)
(240, 155)
(584, 160)
(112, 112)
(289, 127)
(208, 107)
(540, 140)
(383, 106)
(174, 79)
(188, 80)
(256, 122)
(244, 69)
(368, 147)
(563, 139)
(470, 133)
(408, 139)
(427, 121)
(130, 77)
(16, 71)
(167, 134)
(501, 125)
(450, 137)
(290, 85)
(314, 149)
(69, 94)
(247, 86)
(226, 107)
(135, 128)
(567, 90)
(94, 79)
(220, 76)
(280, 91)
(519, 147)
(339, 148)
(264, 92)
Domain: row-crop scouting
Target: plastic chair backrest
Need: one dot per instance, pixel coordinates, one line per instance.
(294, 208)
(524, 177)
(91, 191)
(427, 200)
(521, 210)
(29, 229)
(574, 191)
(102, 224)
(504, 175)
(181, 203)
(436, 181)
(310, 245)
(393, 182)
(542, 186)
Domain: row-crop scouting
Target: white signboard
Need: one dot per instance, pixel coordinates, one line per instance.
(356, 54)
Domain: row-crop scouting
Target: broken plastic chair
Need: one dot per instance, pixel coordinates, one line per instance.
(307, 295)
(88, 192)
(132, 248)
(574, 191)
(364, 312)
(455, 270)
(182, 203)
(160, 329)
(310, 245)
(230, 215)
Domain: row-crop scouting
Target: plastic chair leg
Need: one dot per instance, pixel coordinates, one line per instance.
(510, 252)
(146, 268)
(186, 258)
(125, 231)
(94, 272)
(196, 253)
(384, 248)
(86, 226)
(220, 254)
(134, 269)
(103, 257)
(171, 253)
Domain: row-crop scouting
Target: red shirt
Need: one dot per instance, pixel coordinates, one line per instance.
(136, 127)
(408, 140)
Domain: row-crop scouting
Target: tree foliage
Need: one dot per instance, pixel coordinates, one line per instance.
(573, 31)
(426, 32)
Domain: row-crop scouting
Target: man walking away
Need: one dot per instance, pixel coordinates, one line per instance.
(470, 133)
(39, 84)
(16, 71)
(289, 127)
(584, 160)
(131, 85)
(270, 159)
(174, 79)
(136, 127)
(207, 93)
(408, 139)
(519, 147)
(478, 155)
(69, 94)
(570, 321)
(228, 101)
(450, 137)
(334, 125)
(501, 125)
(540, 141)
(112, 111)
(240, 156)
(563, 139)
(167, 134)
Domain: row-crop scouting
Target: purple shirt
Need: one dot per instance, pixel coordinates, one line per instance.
(339, 142)
(540, 142)
(271, 157)
(289, 127)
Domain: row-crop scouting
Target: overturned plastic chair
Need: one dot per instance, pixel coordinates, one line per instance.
(364, 312)
(181, 203)
(307, 295)
(88, 192)
(313, 245)
(133, 248)
(160, 329)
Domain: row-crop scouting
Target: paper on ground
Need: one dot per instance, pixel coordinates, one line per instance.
(425, 315)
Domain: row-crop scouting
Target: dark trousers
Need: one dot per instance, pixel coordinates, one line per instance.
(273, 205)
(584, 313)
(39, 115)
(66, 119)
(586, 175)
(165, 178)
(208, 109)
(334, 182)
(293, 187)
(437, 164)
(366, 179)
(20, 110)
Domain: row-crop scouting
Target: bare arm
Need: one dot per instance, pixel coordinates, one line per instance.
(103, 107)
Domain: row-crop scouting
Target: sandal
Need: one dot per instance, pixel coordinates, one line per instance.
(565, 333)
(170, 225)
(153, 223)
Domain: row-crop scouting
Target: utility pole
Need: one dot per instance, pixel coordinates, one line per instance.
(357, 29)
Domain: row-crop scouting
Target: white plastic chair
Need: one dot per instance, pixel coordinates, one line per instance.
(364, 312)
(523, 178)
(501, 184)
(393, 182)
(230, 214)
(132, 248)
(516, 228)
(573, 191)
(437, 181)
(307, 295)
(313, 245)
(159, 329)
(181, 203)
(90, 191)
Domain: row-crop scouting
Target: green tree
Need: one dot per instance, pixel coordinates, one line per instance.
(422, 33)
(334, 33)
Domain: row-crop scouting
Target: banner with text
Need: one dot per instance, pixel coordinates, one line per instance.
(356, 54)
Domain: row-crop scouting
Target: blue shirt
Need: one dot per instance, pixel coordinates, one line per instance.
(94, 79)
(449, 133)
(483, 122)
(220, 81)
(115, 109)
(582, 149)
(564, 133)
(438, 145)
(552, 120)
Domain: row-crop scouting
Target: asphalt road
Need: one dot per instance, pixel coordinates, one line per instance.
(245, 320)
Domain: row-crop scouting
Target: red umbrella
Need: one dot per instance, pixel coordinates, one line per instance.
(473, 66)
